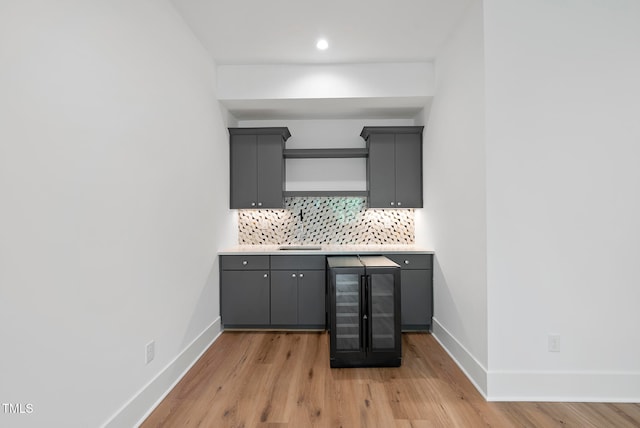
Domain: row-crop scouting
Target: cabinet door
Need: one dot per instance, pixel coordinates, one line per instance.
(381, 171)
(408, 166)
(416, 297)
(284, 297)
(244, 168)
(311, 299)
(244, 298)
(270, 171)
(416, 289)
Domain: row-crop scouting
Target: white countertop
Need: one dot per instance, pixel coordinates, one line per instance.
(325, 249)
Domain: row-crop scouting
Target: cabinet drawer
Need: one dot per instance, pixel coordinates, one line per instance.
(244, 262)
(412, 261)
(297, 262)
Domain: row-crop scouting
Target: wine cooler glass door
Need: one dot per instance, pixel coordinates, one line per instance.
(347, 312)
(383, 311)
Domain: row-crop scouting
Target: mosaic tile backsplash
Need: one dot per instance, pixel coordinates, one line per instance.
(328, 221)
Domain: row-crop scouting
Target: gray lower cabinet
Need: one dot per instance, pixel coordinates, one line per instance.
(312, 299)
(298, 298)
(244, 291)
(257, 167)
(289, 292)
(298, 292)
(262, 292)
(394, 166)
(416, 290)
(284, 298)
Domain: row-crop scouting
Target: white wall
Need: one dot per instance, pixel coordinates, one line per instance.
(563, 143)
(280, 81)
(113, 176)
(325, 91)
(453, 221)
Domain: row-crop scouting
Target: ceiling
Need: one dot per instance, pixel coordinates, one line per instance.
(285, 32)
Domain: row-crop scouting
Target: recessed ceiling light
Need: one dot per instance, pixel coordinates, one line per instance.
(322, 44)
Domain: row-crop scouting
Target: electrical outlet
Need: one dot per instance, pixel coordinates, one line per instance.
(150, 352)
(387, 223)
(553, 341)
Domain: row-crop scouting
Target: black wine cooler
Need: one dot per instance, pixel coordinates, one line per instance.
(364, 305)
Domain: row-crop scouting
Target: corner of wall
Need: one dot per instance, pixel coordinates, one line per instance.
(138, 408)
(471, 367)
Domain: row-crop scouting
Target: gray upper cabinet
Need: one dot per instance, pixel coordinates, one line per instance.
(257, 167)
(394, 166)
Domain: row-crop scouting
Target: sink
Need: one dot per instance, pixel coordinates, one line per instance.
(301, 247)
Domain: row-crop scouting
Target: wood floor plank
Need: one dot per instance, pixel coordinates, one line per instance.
(309, 394)
(283, 380)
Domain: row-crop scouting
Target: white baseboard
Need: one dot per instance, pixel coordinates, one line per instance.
(512, 385)
(583, 386)
(471, 367)
(136, 410)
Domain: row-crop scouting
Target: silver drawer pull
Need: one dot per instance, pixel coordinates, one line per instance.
(406, 262)
(392, 203)
(266, 275)
(301, 275)
(253, 204)
(244, 263)
(259, 204)
(399, 203)
(293, 275)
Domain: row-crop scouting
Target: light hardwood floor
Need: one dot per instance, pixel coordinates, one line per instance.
(279, 379)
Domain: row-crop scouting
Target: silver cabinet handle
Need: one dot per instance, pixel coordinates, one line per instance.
(293, 275)
(266, 275)
(399, 203)
(392, 203)
(259, 204)
(244, 263)
(406, 262)
(253, 204)
(301, 275)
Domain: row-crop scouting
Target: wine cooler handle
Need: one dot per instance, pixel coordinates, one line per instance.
(363, 312)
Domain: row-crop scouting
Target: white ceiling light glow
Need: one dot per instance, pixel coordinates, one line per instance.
(322, 44)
